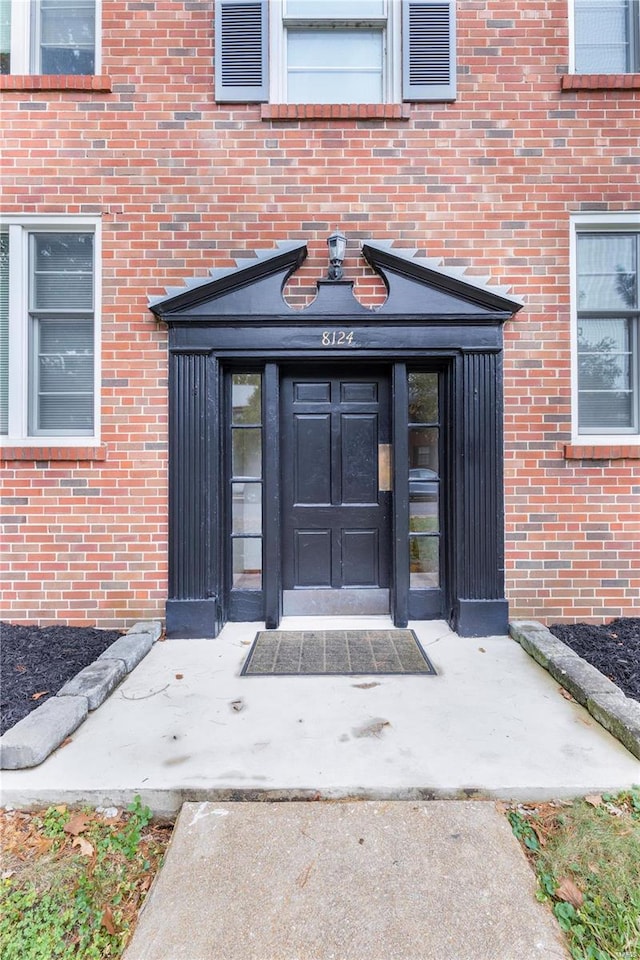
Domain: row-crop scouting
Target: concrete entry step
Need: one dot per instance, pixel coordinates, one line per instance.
(396, 880)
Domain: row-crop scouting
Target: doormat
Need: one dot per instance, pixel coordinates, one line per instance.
(290, 653)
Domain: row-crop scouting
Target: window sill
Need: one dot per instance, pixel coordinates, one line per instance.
(579, 451)
(56, 452)
(600, 81)
(333, 111)
(95, 84)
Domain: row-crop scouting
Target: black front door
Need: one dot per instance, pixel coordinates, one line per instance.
(336, 503)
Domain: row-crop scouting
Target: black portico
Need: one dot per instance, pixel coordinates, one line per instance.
(336, 459)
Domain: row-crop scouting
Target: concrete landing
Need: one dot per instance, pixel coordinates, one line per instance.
(185, 725)
(345, 881)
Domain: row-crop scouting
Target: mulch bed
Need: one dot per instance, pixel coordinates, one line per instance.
(35, 662)
(613, 648)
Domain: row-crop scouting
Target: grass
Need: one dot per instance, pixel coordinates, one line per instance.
(586, 855)
(72, 883)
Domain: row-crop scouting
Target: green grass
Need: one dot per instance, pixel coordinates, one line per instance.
(72, 883)
(587, 859)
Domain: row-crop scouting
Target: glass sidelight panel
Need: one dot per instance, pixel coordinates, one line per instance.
(247, 563)
(424, 481)
(424, 555)
(423, 398)
(246, 398)
(246, 452)
(246, 481)
(247, 508)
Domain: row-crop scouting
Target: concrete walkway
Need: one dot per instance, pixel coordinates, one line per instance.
(184, 725)
(345, 881)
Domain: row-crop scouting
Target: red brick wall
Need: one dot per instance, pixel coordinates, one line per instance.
(183, 184)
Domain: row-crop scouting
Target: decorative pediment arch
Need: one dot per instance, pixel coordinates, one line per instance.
(417, 288)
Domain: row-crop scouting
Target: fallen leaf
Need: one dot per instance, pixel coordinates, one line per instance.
(78, 824)
(179, 676)
(566, 694)
(85, 847)
(20, 667)
(482, 649)
(365, 686)
(568, 891)
(65, 742)
(237, 705)
(594, 799)
(501, 807)
(107, 921)
(39, 695)
(541, 837)
(373, 729)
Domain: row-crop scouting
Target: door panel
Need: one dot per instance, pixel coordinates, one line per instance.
(359, 449)
(336, 520)
(312, 558)
(360, 558)
(311, 462)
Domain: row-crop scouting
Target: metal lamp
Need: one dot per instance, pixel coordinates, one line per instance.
(337, 244)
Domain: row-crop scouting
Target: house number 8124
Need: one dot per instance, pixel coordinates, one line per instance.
(336, 338)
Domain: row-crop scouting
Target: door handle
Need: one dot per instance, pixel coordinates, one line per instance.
(385, 474)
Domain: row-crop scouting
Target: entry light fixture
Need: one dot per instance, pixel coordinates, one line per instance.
(337, 244)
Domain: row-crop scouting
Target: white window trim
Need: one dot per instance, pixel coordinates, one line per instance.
(22, 13)
(571, 24)
(20, 227)
(593, 223)
(390, 24)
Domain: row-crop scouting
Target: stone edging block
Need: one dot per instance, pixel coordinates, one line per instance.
(32, 739)
(130, 648)
(95, 682)
(605, 701)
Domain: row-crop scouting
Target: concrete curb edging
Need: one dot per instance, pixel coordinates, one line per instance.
(38, 734)
(606, 702)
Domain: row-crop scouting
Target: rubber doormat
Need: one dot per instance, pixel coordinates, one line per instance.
(287, 653)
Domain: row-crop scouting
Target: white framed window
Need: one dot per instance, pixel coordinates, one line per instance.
(50, 37)
(49, 330)
(605, 271)
(604, 36)
(327, 51)
(334, 51)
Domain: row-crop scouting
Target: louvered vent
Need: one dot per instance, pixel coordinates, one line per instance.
(241, 45)
(430, 43)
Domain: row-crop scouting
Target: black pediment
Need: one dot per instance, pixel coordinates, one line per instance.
(417, 289)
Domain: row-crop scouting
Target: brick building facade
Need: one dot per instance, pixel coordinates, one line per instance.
(135, 177)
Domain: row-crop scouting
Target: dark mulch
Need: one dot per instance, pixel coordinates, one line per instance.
(35, 662)
(613, 648)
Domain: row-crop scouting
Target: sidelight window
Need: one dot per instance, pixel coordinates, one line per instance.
(424, 481)
(246, 481)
